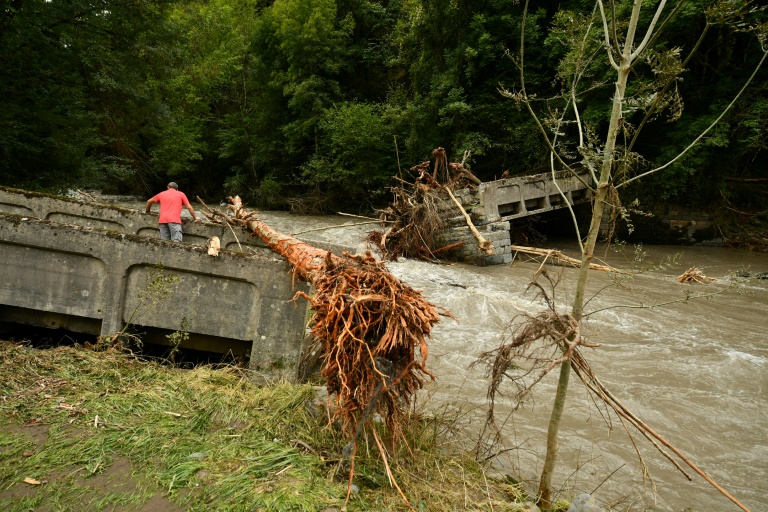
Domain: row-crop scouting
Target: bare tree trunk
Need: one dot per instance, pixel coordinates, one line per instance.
(601, 193)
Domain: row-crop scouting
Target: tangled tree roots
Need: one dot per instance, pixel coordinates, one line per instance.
(414, 218)
(534, 347)
(369, 326)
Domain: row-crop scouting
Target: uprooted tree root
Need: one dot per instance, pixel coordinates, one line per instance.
(368, 326)
(542, 342)
(414, 218)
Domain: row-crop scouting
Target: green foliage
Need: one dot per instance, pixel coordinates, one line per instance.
(270, 195)
(142, 433)
(357, 153)
(272, 99)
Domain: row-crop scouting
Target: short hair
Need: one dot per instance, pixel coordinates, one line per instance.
(173, 185)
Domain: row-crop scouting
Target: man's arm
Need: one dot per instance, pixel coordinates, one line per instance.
(149, 204)
(192, 212)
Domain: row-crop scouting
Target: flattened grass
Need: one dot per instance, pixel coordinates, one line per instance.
(104, 431)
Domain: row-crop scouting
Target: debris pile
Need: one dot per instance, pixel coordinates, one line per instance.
(418, 210)
(694, 275)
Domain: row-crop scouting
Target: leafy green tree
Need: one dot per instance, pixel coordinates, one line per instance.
(72, 88)
(190, 139)
(357, 153)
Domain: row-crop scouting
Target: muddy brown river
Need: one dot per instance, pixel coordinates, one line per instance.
(694, 371)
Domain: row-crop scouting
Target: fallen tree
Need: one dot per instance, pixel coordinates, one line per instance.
(367, 325)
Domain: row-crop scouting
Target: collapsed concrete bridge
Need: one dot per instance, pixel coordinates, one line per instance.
(492, 205)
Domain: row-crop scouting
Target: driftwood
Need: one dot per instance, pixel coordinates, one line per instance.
(558, 258)
(414, 218)
(484, 244)
(694, 275)
(418, 208)
(86, 195)
(214, 246)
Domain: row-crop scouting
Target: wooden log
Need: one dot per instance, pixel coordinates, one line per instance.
(558, 258)
(484, 244)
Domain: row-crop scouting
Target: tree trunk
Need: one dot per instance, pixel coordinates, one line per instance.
(601, 192)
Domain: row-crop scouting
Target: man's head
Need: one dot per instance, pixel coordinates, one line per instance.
(173, 185)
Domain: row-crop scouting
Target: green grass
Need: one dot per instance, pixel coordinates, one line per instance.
(104, 431)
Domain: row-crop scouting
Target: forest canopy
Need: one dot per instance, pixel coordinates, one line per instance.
(285, 99)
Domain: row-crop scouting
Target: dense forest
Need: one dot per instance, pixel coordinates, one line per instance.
(325, 99)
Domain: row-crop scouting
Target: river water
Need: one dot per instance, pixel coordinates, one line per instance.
(693, 371)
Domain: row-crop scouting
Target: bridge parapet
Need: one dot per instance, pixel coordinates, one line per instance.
(514, 198)
(134, 222)
(67, 210)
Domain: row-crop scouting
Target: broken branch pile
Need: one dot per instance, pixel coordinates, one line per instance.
(694, 275)
(419, 210)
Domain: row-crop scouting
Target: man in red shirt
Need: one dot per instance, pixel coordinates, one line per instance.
(171, 202)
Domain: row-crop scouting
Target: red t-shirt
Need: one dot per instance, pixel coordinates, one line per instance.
(171, 202)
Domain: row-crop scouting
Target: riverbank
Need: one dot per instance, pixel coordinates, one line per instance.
(105, 431)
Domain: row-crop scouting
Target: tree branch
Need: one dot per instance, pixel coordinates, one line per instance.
(650, 32)
(696, 141)
(660, 95)
(607, 35)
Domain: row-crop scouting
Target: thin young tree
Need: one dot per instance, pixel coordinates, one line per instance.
(625, 34)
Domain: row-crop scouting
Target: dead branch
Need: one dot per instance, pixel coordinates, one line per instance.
(558, 258)
(414, 219)
(484, 244)
(449, 247)
(587, 376)
(542, 342)
(694, 275)
(86, 195)
(745, 180)
(325, 228)
(468, 174)
(441, 164)
(219, 217)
